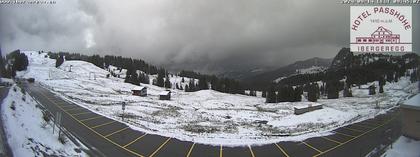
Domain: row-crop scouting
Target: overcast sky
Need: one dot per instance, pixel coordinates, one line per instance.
(203, 35)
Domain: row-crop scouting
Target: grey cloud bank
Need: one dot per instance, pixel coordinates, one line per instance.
(208, 36)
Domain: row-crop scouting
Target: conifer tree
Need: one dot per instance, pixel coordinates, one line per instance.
(413, 76)
(382, 82)
(59, 61)
(160, 81)
(167, 82)
(332, 89)
(312, 97)
(271, 95)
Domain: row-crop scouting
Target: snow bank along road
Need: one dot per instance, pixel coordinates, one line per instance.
(4, 148)
(112, 138)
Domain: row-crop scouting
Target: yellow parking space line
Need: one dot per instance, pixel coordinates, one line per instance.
(250, 149)
(96, 126)
(311, 147)
(92, 118)
(343, 134)
(376, 121)
(375, 124)
(351, 129)
(116, 131)
(135, 140)
(355, 137)
(74, 109)
(331, 140)
(363, 126)
(282, 150)
(221, 151)
(81, 113)
(80, 122)
(369, 124)
(160, 147)
(189, 151)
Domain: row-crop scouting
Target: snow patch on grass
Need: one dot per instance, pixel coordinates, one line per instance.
(208, 116)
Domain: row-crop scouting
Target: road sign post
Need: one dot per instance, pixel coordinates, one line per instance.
(123, 108)
(59, 124)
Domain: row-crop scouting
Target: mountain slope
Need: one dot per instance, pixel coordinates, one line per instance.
(263, 79)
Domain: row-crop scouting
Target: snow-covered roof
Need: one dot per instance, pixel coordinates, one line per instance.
(138, 88)
(306, 105)
(412, 103)
(164, 93)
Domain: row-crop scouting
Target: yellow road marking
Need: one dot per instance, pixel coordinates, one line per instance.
(282, 150)
(74, 109)
(62, 103)
(331, 140)
(343, 134)
(81, 113)
(160, 147)
(191, 148)
(138, 138)
(96, 126)
(116, 131)
(311, 147)
(356, 137)
(64, 106)
(96, 117)
(250, 149)
(351, 129)
(116, 144)
(221, 151)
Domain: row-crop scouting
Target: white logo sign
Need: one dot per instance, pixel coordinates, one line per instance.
(380, 29)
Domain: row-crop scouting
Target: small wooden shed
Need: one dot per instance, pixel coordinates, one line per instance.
(139, 91)
(303, 109)
(165, 95)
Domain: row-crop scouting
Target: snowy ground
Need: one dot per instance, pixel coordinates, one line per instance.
(207, 116)
(27, 132)
(404, 147)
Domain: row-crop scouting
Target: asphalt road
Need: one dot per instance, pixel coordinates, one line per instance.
(112, 138)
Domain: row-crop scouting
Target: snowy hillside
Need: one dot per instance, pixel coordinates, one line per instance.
(310, 70)
(206, 116)
(27, 132)
(174, 79)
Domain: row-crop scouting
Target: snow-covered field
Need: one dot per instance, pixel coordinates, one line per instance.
(27, 132)
(207, 116)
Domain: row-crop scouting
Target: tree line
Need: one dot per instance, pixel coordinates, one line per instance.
(355, 70)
